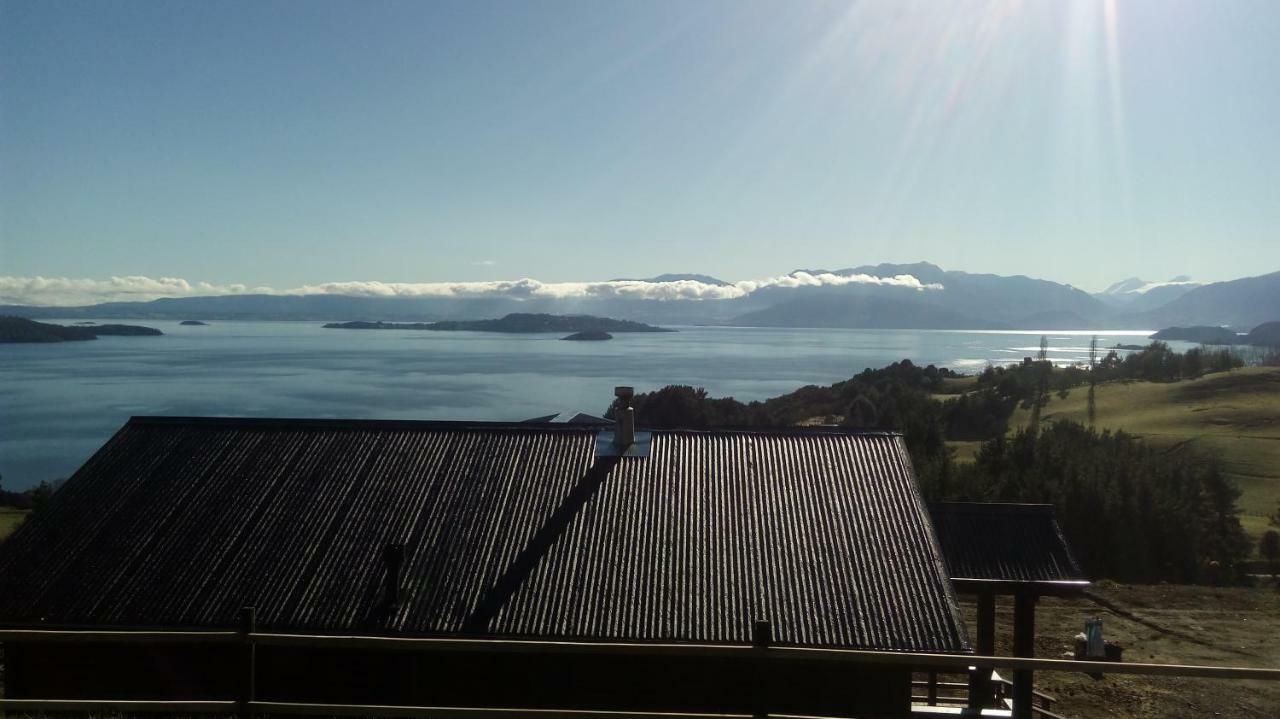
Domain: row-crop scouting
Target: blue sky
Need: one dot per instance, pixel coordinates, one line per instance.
(287, 143)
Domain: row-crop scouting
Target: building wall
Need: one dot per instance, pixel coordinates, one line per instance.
(460, 679)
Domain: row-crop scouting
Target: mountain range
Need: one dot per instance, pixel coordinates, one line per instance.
(905, 296)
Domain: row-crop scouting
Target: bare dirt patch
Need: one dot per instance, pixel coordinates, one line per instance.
(1163, 624)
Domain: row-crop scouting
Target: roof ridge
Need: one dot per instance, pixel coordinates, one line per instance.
(486, 425)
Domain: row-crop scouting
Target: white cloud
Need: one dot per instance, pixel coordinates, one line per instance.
(79, 291)
(69, 291)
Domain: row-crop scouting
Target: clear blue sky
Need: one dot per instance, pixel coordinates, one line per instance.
(284, 143)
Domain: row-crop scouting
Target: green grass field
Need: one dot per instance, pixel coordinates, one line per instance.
(9, 520)
(1236, 414)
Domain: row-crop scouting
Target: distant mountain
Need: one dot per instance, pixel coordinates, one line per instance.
(865, 312)
(675, 277)
(935, 298)
(987, 300)
(1138, 295)
(1239, 303)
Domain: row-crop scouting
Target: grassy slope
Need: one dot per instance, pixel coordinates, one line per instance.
(1234, 413)
(9, 520)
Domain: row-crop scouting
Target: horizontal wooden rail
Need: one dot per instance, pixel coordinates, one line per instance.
(116, 705)
(468, 713)
(354, 710)
(918, 660)
(121, 636)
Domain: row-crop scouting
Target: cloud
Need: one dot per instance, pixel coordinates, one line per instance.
(67, 291)
(133, 288)
(484, 263)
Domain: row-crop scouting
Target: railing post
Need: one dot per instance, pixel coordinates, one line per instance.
(248, 688)
(933, 688)
(1024, 645)
(761, 638)
(980, 678)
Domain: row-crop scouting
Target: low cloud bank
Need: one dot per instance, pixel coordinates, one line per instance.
(63, 291)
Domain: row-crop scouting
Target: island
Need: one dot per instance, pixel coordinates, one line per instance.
(1131, 348)
(194, 323)
(21, 329)
(588, 336)
(1206, 335)
(518, 323)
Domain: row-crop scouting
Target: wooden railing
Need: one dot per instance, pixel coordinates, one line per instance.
(247, 704)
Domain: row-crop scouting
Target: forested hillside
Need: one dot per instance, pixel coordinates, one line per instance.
(1133, 512)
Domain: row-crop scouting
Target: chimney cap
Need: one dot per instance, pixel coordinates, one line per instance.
(624, 392)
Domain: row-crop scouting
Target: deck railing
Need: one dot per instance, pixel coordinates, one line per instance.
(247, 703)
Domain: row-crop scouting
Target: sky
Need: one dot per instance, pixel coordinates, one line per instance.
(289, 144)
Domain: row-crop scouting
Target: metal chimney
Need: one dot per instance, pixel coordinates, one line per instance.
(624, 418)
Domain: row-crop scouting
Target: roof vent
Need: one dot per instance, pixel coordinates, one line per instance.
(624, 415)
(623, 440)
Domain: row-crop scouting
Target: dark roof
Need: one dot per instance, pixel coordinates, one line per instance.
(1003, 542)
(569, 418)
(510, 530)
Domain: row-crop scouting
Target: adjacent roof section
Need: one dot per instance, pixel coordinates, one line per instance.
(1004, 543)
(509, 529)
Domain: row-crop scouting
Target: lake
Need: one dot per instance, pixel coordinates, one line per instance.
(60, 402)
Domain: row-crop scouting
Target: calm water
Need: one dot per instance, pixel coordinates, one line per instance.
(60, 402)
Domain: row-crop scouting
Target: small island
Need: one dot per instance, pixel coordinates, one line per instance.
(21, 329)
(1205, 335)
(1131, 348)
(588, 336)
(516, 323)
(193, 323)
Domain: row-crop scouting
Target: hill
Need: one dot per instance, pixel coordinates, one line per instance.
(519, 323)
(1266, 334)
(1233, 413)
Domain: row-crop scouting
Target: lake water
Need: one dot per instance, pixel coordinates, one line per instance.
(60, 402)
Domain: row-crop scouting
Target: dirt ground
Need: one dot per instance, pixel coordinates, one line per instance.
(1165, 624)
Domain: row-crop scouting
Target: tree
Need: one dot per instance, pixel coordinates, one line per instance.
(40, 495)
(1043, 368)
(1093, 381)
(862, 413)
(1269, 548)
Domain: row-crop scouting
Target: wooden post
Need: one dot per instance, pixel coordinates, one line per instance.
(761, 638)
(933, 689)
(248, 625)
(1024, 645)
(980, 678)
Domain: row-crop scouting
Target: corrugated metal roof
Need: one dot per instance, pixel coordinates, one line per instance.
(510, 529)
(1011, 542)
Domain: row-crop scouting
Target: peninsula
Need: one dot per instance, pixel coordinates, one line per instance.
(517, 323)
(20, 329)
